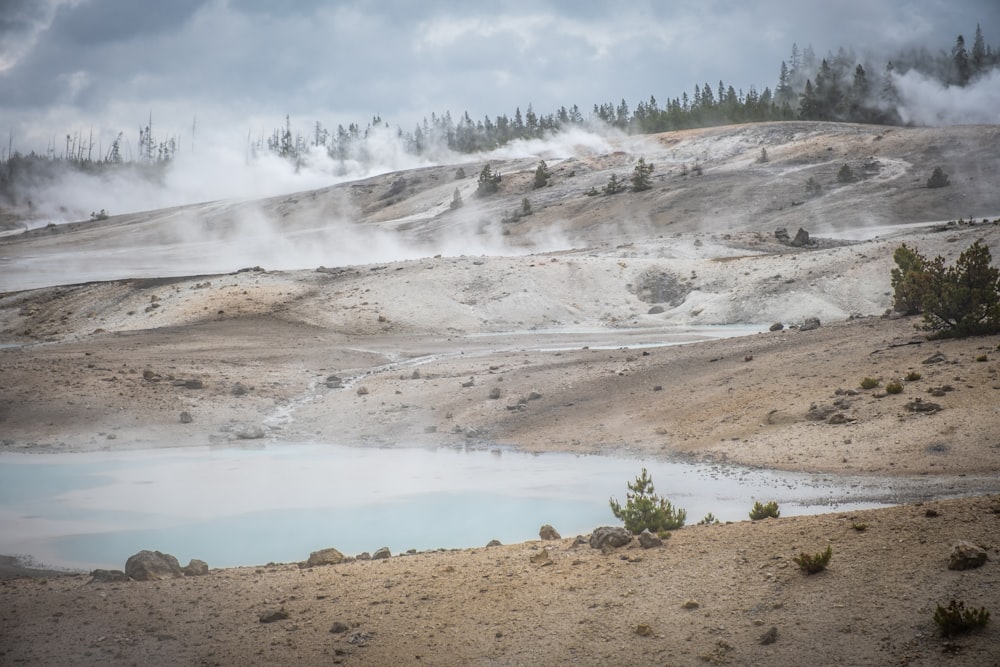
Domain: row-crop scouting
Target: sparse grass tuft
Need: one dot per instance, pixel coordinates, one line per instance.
(869, 383)
(982, 357)
(913, 376)
(956, 619)
(860, 527)
(894, 387)
(814, 563)
(769, 510)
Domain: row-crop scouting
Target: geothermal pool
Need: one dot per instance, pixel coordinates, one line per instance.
(235, 506)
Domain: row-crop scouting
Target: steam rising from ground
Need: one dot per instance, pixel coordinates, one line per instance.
(926, 101)
(231, 228)
(215, 171)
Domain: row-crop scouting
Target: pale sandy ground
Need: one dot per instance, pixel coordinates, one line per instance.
(96, 364)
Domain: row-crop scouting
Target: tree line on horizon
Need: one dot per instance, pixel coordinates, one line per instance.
(838, 87)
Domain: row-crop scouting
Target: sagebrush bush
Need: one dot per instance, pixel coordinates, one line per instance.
(869, 383)
(894, 387)
(814, 563)
(913, 376)
(644, 509)
(956, 619)
(765, 511)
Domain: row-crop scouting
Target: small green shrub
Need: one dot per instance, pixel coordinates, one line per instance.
(709, 520)
(845, 175)
(869, 383)
(814, 563)
(956, 619)
(894, 387)
(644, 509)
(913, 376)
(982, 357)
(769, 510)
(860, 527)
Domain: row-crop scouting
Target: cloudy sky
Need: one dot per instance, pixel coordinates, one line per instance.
(239, 66)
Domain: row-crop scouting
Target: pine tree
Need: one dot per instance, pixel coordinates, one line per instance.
(964, 299)
(784, 92)
(858, 96)
(641, 176)
(808, 105)
(960, 60)
(978, 52)
(614, 185)
(489, 181)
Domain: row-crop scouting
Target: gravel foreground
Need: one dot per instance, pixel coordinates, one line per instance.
(726, 594)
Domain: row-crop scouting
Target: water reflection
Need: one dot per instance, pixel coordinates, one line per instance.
(242, 506)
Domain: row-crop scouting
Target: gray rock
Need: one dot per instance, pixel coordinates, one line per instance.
(272, 615)
(493, 543)
(325, 557)
(239, 389)
(809, 324)
(195, 568)
(339, 628)
(822, 412)
(251, 432)
(648, 540)
(547, 532)
(194, 384)
(801, 239)
(936, 358)
(777, 326)
(185, 417)
(613, 536)
(918, 405)
(966, 556)
(334, 382)
(107, 576)
(655, 310)
(769, 637)
(381, 554)
(152, 566)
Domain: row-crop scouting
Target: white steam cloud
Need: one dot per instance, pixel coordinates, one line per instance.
(215, 171)
(926, 101)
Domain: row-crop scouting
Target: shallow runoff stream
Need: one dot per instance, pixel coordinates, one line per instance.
(234, 506)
